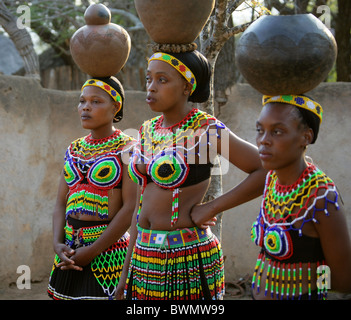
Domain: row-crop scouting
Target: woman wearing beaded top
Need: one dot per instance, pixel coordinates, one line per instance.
(172, 258)
(301, 227)
(95, 200)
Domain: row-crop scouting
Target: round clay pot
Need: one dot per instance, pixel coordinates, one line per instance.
(170, 21)
(286, 54)
(100, 48)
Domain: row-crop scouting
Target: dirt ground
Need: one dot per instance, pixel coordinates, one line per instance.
(38, 292)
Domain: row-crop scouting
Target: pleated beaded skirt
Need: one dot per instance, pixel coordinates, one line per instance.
(99, 279)
(185, 264)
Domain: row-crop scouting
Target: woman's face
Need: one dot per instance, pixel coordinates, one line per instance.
(96, 108)
(281, 138)
(166, 88)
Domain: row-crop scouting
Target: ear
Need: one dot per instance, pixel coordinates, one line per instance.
(118, 106)
(187, 88)
(307, 137)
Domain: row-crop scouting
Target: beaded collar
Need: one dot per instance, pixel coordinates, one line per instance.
(154, 138)
(284, 204)
(86, 148)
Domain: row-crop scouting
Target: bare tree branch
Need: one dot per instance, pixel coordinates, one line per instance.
(22, 41)
(235, 30)
(232, 6)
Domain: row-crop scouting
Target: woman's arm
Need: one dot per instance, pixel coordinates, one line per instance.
(245, 157)
(133, 236)
(58, 221)
(117, 226)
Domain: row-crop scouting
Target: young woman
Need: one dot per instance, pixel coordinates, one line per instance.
(172, 258)
(301, 226)
(95, 200)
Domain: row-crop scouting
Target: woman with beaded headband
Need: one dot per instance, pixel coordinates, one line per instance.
(171, 257)
(301, 227)
(95, 200)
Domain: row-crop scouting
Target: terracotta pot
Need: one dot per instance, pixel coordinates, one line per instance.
(100, 48)
(286, 54)
(170, 21)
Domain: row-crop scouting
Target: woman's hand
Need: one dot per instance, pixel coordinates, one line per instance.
(83, 256)
(119, 294)
(65, 253)
(202, 216)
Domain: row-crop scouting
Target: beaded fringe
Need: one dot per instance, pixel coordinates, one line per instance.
(88, 200)
(276, 272)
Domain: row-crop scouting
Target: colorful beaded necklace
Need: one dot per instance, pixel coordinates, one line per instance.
(92, 167)
(284, 205)
(168, 151)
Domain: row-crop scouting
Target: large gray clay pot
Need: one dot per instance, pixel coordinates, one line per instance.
(100, 48)
(174, 21)
(286, 54)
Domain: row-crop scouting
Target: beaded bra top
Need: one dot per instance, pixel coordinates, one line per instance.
(286, 209)
(91, 168)
(169, 153)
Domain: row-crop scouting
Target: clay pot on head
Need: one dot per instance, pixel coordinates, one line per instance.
(174, 21)
(286, 54)
(100, 48)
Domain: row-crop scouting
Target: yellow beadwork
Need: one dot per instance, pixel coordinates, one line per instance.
(178, 65)
(298, 101)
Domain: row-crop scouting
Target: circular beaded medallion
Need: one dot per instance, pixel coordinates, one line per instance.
(278, 242)
(257, 233)
(72, 175)
(105, 173)
(168, 169)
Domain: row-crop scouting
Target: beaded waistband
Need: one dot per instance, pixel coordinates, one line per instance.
(172, 239)
(78, 235)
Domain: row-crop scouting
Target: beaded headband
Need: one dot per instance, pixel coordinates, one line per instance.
(298, 101)
(178, 65)
(107, 88)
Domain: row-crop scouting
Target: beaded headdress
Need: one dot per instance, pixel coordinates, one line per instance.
(298, 101)
(107, 88)
(178, 65)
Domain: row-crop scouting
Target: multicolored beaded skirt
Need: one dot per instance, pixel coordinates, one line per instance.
(185, 264)
(99, 279)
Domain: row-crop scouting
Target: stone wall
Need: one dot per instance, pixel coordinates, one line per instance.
(37, 124)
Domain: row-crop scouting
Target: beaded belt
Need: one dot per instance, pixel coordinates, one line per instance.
(85, 236)
(173, 239)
